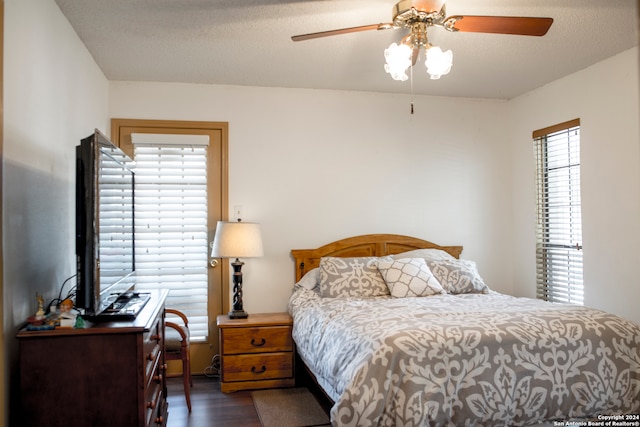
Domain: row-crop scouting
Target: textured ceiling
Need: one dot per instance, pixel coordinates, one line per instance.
(248, 42)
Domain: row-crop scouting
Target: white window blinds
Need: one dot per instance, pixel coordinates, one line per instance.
(171, 223)
(559, 218)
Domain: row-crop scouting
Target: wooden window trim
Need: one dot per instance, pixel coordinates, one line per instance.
(556, 128)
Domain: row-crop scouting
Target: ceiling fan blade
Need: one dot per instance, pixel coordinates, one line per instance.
(501, 24)
(341, 31)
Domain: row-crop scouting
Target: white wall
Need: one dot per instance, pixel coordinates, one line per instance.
(54, 94)
(605, 97)
(316, 166)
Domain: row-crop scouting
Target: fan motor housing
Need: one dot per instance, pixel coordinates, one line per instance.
(408, 12)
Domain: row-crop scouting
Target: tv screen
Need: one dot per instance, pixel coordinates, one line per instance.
(105, 237)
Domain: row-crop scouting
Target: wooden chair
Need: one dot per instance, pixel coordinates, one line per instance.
(176, 344)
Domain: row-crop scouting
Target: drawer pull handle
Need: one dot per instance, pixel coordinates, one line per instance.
(255, 371)
(258, 344)
(154, 353)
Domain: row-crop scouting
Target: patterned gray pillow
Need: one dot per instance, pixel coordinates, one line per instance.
(351, 277)
(409, 277)
(458, 276)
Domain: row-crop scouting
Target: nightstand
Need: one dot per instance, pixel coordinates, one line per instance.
(256, 352)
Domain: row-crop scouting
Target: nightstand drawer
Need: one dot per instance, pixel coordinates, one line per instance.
(253, 367)
(256, 340)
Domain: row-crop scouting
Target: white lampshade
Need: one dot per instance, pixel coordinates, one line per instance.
(438, 62)
(237, 240)
(398, 60)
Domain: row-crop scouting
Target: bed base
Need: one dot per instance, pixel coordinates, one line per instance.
(306, 378)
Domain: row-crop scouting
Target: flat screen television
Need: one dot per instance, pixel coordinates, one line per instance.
(105, 232)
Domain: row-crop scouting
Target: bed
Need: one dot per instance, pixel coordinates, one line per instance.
(391, 346)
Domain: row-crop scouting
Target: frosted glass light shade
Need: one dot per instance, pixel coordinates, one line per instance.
(237, 240)
(438, 62)
(398, 60)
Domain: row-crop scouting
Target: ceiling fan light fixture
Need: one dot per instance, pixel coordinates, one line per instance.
(398, 60)
(400, 57)
(438, 62)
(418, 16)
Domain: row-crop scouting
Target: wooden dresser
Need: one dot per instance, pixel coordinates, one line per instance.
(108, 374)
(256, 352)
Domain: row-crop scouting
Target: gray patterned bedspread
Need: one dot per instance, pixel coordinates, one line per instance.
(473, 359)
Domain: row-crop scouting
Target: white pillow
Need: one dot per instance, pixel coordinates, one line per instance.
(310, 279)
(409, 277)
(427, 254)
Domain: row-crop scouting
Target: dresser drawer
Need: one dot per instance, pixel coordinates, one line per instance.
(256, 340)
(156, 376)
(152, 346)
(254, 367)
(153, 403)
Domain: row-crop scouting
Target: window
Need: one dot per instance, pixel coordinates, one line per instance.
(171, 222)
(559, 219)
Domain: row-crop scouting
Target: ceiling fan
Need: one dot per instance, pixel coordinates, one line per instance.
(418, 15)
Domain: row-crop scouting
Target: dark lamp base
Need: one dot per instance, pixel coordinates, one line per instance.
(238, 314)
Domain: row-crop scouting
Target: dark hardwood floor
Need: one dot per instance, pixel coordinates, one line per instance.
(209, 406)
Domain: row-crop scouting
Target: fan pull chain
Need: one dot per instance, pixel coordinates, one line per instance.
(411, 82)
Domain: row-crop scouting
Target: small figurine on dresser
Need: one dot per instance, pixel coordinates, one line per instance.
(39, 320)
(40, 315)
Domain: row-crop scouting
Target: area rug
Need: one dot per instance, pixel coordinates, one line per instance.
(289, 407)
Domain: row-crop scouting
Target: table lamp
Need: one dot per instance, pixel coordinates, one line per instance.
(237, 240)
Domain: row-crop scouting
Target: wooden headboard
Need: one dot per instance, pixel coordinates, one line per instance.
(360, 246)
